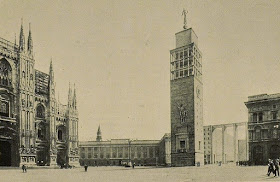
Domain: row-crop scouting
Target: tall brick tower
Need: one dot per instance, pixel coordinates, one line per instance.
(186, 100)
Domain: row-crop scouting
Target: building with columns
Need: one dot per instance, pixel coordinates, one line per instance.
(263, 127)
(123, 151)
(225, 143)
(35, 128)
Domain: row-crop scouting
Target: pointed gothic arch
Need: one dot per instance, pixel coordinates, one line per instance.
(40, 111)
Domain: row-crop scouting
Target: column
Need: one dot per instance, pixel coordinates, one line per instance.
(212, 155)
(223, 144)
(234, 127)
(111, 152)
(247, 141)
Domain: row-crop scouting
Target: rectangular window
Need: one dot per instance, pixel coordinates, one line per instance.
(89, 154)
(199, 145)
(274, 115)
(185, 53)
(190, 61)
(185, 72)
(177, 56)
(181, 73)
(255, 116)
(114, 151)
(181, 55)
(191, 71)
(177, 65)
(181, 64)
(145, 152)
(182, 144)
(190, 52)
(151, 152)
(260, 116)
(185, 63)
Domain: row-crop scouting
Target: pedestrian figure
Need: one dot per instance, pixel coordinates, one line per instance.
(23, 168)
(270, 167)
(276, 164)
(86, 168)
(133, 165)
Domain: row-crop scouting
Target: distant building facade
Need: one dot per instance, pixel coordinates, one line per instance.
(263, 127)
(35, 128)
(186, 88)
(207, 144)
(165, 150)
(122, 151)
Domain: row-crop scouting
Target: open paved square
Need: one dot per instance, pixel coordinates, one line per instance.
(139, 174)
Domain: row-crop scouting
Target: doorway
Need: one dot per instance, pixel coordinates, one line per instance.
(258, 155)
(5, 153)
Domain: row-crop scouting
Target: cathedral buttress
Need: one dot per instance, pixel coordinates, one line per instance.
(26, 99)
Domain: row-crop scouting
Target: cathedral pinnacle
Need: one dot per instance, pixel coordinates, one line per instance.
(21, 38)
(99, 137)
(29, 41)
(70, 96)
(51, 73)
(74, 98)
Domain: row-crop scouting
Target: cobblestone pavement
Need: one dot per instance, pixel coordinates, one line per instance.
(121, 174)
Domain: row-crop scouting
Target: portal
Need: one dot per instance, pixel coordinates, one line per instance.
(5, 153)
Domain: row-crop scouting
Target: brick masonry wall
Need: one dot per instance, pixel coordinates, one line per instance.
(182, 92)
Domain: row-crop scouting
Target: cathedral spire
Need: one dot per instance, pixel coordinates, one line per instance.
(51, 73)
(15, 46)
(74, 98)
(15, 39)
(21, 38)
(70, 96)
(99, 137)
(30, 42)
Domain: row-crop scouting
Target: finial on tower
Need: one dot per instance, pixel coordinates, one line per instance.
(184, 13)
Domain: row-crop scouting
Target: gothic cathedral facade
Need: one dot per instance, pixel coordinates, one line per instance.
(35, 128)
(186, 93)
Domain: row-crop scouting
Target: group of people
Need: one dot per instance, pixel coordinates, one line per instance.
(273, 167)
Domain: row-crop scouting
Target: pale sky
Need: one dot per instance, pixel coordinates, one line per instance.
(117, 53)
